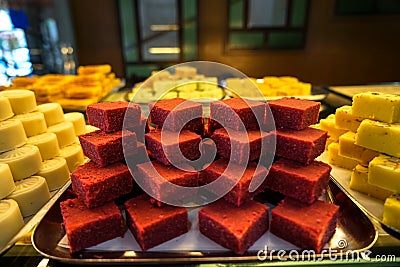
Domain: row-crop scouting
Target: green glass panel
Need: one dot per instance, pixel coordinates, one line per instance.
(236, 14)
(285, 39)
(299, 13)
(355, 7)
(190, 42)
(189, 9)
(128, 30)
(246, 40)
(388, 6)
(140, 71)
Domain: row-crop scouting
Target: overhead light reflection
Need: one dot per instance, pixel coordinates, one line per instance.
(159, 28)
(164, 50)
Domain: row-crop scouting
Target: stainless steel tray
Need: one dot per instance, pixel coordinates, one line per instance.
(371, 206)
(350, 90)
(354, 228)
(31, 221)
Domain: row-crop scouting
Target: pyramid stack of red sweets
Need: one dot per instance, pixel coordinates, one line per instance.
(151, 221)
(300, 218)
(93, 217)
(236, 221)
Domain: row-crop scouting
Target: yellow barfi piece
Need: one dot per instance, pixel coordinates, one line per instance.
(377, 106)
(345, 119)
(348, 148)
(186, 85)
(359, 182)
(329, 141)
(185, 71)
(209, 84)
(391, 211)
(384, 171)
(162, 87)
(243, 87)
(335, 159)
(328, 124)
(90, 69)
(379, 136)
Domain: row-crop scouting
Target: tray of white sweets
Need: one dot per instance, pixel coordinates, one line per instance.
(38, 150)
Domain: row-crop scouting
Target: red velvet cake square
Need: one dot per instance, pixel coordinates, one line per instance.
(234, 228)
(237, 112)
(238, 141)
(240, 192)
(302, 146)
(208, 128)
(139, 157)
(109, 116)
(88, 227)
(151, 225)
(182, 112)
(95, 186)
(140, 129)
(155, 175)
(305, 183)
(294, 113)
(306, 226)
(107, 148)
(166, 150)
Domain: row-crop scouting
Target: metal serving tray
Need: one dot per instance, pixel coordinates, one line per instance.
(373, 207)
(354, 232)
(31, 221)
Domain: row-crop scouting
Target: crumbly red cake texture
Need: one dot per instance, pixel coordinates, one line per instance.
(95, 186)
(235, 228)
(88, 227)
(155, 176)
(246, 146)
(107, 148)
(302, 146)
(305, 183)
(208, 129)
(237, 113)
(144, 123)
(240, 192)
(139, 157)
(306, 226)
(151, 225)
(109, 116)
(294, 113)
(166, 146)
(140, 129)
(184, 114)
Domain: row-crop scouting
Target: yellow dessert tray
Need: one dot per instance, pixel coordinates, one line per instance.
(371, 206)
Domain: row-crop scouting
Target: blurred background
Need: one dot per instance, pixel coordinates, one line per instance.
(330, 42)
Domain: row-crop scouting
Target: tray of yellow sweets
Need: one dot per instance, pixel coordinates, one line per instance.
(364, 152)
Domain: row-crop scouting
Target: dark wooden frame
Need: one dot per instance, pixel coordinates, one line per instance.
(265, 30)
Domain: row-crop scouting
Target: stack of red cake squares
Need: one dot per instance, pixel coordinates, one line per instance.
(241, 132)
(178, 128)
(236, 221)
(300, 218)
(93, 217)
